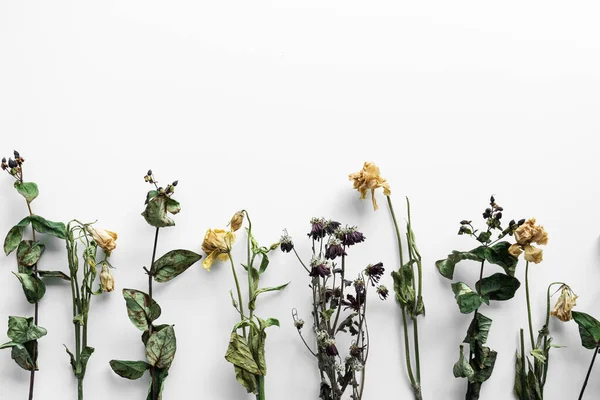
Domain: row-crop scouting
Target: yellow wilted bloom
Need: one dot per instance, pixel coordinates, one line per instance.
(533, 254)
(236, 221)
(369, 178)
(564, 305)
(217, 244)
(525, 235)
(106, 279)
(106, 240)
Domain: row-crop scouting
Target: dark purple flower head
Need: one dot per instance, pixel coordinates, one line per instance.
(356, 351)
(12, 163)
(286, 244)
(374, 272)
(383, 292)
(334, 249)
(331, 226)
(331, 350)
(355, 303)
(317, 230)
(350, 236)
(319, 268)
(359, 286)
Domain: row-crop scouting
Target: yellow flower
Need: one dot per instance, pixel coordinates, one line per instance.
(236, 221)
(515, 250)
(533, 254)
(217, 244)
(564, 305)
(107, 240)
(369, 178)
(106, 279)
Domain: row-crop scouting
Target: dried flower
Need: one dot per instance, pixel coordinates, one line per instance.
(533, 254)
(331, 226)
(217, 244)
(319, 268)
(369, 178)
(350, 236)
(374, 272)
(106, 240)
(564, 304)
(334, 249)
(317, 230)
(526, 234)
(106, 279)
(515, 250)
(286, 244)
(383, 292)
(236, 221)
(299, 324)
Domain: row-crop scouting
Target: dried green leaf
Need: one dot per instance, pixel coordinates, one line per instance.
(467, 299)
(42, 225)
(589, 329)
(22, 330)
(141, 310)
(239, 354)
(14, 236)
(129, 369)
(156, 211)
(173, 264)
(54, 274)
(462, 368)
(29, 190)
(33, 287)
(499, 287)
(161, 347)
(29, 252)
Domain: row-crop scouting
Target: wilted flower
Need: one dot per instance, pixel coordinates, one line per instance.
(319, 268)
(369, 178)
(106, 240)
(564, 305)
(286, 244)
(331, 226)
(317, 230)
(299, 324)
(217, 244)
(374, 272)
(526, 234)
(350, 236)
(334, 249)
(106, 279)
(383, 292)
(330, 347)
(236, 221)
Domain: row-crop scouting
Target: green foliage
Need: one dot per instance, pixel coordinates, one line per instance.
(142, 311)
(158, 206)
(54, 274)
(80, 366)
(14, 236)
(467, 299)
(129, 369)
(24, 335)
(499, 287)
(173, 264)
(33, 287)
(161, 347)
(42, 225)
(589, 329)
(29, 253)
(28, 190)
(497, 254)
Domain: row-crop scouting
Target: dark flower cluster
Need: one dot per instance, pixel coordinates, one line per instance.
(493, 220)
(14, 165)
(169, 190)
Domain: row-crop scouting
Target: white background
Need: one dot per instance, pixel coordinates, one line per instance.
(268, 106)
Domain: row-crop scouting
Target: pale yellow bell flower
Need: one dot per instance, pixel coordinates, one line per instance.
(369, 178)
(217, 244)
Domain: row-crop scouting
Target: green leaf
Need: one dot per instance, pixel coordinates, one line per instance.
(462, 368)
(33, 287)
(29, 190)
(22, 357)
(589, 329)
(478, 330)
(467, 299)
(14, 236)
(29, 252)
(252, 303)
(22, 330)
(483, 364)
(9, 345)
(156, 211)
(86, 353)
(497, 254)
(539, 355)
(263, 264)
(499, 286)
(54, 274)
(160, 349)
(157, 328)
(129, 369)
(42, 225)
(140, 309)
(239, 354)
(247, 379)
(173, 264)
(160, 375)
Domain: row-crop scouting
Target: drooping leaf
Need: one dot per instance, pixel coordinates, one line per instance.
(446, 267)
(33, 287)
(86, 353)
(173, 206)
(173, 264)
(157, 209)
(478, 330)
(498, 254)
(539, 355)
(252, 303)
(54, 274)
(239, 354)
(499, 286)
(161, 347)
(589, 329)
(14, 236)
(483, 365)
(42, 225)
(29, 252)
(22, 330)
(467, 299)
(129, 369)
(263, 264)
(246, 379)
(29, 190)
(140, 309)
(462, 368)
(22, 357)
(160, 375)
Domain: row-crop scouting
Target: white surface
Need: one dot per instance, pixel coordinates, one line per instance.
(268, 106)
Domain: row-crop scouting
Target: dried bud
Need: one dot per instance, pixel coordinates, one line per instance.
(106, 279)
(106, 240)
(465, 222)
(16, 153)
(175, 183)
(12, 163)
(299, 324)
(149, 172)
(236, 221)
(564, 305)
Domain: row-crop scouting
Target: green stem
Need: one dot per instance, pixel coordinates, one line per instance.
(239, 293)
(417, 356)
(154, 390)
(80, 389)
(529, 305)
(587, 377)
(261, 388)
(523, 371)
(398, 235)
(407, 349)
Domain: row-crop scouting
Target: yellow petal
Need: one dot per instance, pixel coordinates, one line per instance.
(206, 264)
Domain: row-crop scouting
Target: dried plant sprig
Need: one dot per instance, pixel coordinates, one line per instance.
(246, 351)
(24, 347)
(479, 365)
(82, 278)
(339, 307)
(159, 340)
(408, 283)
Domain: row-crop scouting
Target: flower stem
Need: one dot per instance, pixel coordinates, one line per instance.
(239, 293)
(588, 373)
(407, 349)
(523, 371)
(261, 388)
(154, 394)
(34, 352)
(398, 235)
(528, 305)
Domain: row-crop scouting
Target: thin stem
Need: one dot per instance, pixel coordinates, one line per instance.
(34, 352)
(523, 373)
(528, 305)
(239, 293)
(398, 235)
(417, 355)
(588, 373)
(343, 275)
(150, 327)
(407, 349)
(547, 326)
